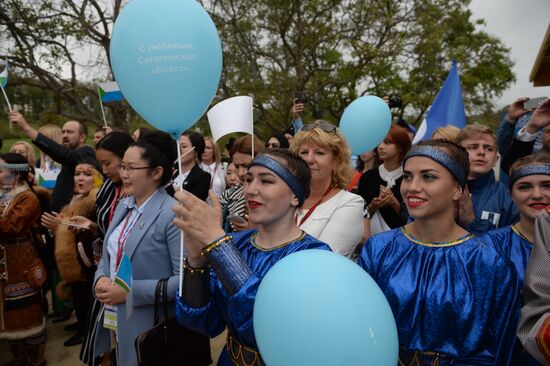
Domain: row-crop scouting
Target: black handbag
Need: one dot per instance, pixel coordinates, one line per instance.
(169, 343)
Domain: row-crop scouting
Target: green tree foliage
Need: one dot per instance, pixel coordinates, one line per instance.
(334, 51)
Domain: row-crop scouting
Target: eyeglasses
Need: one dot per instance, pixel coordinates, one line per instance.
(323, 126)
(131, 169)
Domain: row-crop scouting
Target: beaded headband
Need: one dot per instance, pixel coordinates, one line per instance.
(529, 169)
(441, 158)
(283, 173)
(16, 167)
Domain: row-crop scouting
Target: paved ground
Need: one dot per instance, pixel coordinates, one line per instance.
(58, 355)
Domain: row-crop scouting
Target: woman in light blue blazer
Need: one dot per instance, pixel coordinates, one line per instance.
(142, 228)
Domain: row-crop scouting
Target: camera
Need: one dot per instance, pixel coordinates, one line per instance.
(394, 101)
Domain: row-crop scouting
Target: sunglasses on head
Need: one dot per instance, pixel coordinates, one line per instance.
(323, 126)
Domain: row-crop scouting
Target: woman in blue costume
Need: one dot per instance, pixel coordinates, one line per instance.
(530, 187)
(222, 272)
(453, 296)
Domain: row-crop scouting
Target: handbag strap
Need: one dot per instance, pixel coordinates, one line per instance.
(158, 295)
(165, 299)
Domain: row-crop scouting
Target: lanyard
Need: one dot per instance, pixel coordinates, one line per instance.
(113, 204)
(123, 236)
(310, 211)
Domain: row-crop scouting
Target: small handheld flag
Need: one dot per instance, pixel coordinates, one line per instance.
(4, 75)
(4, 83)
(109, 92)
(123, 279)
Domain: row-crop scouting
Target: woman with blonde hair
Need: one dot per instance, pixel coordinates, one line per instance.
(212, 163)
(330, 213)
(53, 132)
(25, 149)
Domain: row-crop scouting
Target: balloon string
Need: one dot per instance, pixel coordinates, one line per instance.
(181, 231)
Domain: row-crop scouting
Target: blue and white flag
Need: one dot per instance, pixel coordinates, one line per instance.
(447, 108)
(4, 75)
(109, 92)
(123, 278)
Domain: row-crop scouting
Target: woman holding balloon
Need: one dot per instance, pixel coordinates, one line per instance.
(222, 272)
(453, 296)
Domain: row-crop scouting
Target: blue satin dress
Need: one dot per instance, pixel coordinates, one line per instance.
(452, 301)
(515, 247)
(235, 312)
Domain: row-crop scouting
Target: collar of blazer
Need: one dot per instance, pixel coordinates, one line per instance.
(139, 230)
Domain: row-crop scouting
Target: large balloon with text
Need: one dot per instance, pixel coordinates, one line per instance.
(365, 123)
(166, 56)
(316, 307)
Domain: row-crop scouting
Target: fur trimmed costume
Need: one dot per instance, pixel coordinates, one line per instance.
(73, 250)
(21, 271)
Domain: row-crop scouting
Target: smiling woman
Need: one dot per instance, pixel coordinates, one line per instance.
(330, 214)
(530, 187)
(222, 272)
(423, 269)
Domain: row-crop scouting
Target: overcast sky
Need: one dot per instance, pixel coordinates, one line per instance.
(521, 25)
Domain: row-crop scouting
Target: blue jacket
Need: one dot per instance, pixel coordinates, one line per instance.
(493, 205)
(154, 249)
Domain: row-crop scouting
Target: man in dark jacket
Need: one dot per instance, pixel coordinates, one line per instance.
(486, 204)
(72, 150)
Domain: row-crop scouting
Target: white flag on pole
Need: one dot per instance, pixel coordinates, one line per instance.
(232, 115)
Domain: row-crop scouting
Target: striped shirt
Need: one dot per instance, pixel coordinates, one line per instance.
(104, 201)
(233, 203)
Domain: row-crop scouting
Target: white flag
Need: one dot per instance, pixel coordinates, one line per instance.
(232, 115)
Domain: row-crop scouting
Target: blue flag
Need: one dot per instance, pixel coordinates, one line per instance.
(123, 278)
(447, 108)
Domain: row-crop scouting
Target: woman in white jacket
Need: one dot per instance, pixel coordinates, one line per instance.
(330, 213)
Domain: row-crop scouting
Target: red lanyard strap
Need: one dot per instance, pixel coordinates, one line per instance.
(123, 236)
(312, 208)
(113, 204)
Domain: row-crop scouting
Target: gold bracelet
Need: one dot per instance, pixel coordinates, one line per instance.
(200, 270)
(215, 244)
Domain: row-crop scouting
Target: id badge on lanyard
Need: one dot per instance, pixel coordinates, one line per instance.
(110, 317)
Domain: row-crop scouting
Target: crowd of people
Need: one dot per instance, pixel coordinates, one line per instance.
(461, 256)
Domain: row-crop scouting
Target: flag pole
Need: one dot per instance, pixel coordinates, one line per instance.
(102, 110)
(252, 131)
(9, 104)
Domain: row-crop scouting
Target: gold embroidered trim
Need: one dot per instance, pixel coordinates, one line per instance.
(253, 242)
(516, 230)
(238, 356)
(435, 244)
(215, 244)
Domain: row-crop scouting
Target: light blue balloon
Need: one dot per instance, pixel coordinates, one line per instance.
(365, 123)
(166, 56)
(316, 307)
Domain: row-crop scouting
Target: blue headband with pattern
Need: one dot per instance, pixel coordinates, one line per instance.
(441, 158)
(16, 167)
(283, 173)
(529, 169)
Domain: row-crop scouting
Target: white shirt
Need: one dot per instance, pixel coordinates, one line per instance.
(135, 214)
(217, 177)
(337, 222)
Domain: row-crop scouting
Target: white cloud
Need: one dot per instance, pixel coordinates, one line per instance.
(521, 26)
